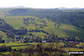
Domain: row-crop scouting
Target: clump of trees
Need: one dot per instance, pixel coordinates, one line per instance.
(5, 48)
(57, 25)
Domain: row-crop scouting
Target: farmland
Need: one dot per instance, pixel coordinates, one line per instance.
(43, 32)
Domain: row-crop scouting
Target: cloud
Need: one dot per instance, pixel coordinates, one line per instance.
(42, 3)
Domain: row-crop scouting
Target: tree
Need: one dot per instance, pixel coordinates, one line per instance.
(0, 39)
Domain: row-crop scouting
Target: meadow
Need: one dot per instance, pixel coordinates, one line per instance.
(63, 31)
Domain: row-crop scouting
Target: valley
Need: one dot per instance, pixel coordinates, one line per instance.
(41, 31)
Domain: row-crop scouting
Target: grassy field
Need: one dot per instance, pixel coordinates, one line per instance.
(15, 19)
(34, 46)
(72, 49)
(64, 30)
(44, 45)
(24, 45)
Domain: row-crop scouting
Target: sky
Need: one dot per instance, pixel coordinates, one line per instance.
(43, 3)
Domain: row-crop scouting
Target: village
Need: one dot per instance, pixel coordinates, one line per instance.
(19, 36)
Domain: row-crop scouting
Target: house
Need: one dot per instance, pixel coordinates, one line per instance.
(72, 44)
(44, 41)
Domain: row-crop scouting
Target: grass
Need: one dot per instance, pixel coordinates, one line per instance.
(5, 53)
(11, 44)
(72, 49)
(21, 47)
(81, 44)
(44, 45)
(30, 45)
(64, 30)
(15, 21)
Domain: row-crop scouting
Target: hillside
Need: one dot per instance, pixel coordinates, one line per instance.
(54, 21)
(45, 32)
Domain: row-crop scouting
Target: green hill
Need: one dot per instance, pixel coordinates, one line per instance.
(58, 22)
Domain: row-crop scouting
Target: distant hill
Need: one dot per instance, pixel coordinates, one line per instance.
(71, 21)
